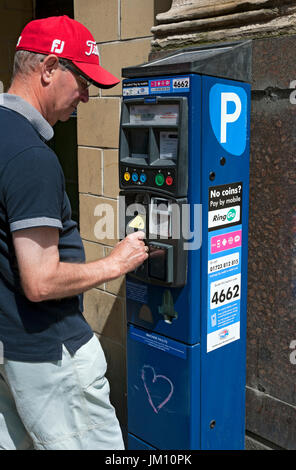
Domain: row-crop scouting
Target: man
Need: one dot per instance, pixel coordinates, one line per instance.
(53, 390)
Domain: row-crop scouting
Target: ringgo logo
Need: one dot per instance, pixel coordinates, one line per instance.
(231, 215)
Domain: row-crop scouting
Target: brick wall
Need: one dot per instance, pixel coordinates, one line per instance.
(14, 14)
(122, 31)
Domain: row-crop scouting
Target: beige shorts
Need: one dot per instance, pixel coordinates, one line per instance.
(60, 405)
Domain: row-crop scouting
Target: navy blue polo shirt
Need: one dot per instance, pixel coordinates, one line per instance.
(32, 194)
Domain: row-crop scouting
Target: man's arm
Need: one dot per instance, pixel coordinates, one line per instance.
(44, 277)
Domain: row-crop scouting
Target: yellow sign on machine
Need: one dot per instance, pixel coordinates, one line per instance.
(138, 222)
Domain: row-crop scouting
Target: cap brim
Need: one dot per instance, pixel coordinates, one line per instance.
(97, 74)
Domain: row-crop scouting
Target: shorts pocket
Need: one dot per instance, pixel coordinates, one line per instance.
(90, 363)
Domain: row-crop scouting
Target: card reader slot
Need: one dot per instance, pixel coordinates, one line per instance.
(160, 262)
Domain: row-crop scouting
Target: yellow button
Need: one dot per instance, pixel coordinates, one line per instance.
(127, 176)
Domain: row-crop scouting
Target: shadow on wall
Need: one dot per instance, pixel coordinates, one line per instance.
(161, 6)
(53, 8)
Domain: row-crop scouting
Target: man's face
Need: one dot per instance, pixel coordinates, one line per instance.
(67, 91)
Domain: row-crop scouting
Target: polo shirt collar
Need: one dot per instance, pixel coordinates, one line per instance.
(21, 106)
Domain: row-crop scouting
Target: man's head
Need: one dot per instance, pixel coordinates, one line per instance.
(58, 58)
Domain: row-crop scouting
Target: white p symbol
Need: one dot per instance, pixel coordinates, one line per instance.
(227, 118)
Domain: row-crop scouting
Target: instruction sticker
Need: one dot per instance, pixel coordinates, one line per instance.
(168, 145)
(162, 343)
(226, 241)
(137, 88)
(223, 262)
(156, 86)
(224, 286)
(137, 292)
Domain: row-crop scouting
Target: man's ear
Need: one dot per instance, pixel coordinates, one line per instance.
(48, 68)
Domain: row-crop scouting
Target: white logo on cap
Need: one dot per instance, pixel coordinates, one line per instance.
(55, 46)
(18, 41)
(92, 48)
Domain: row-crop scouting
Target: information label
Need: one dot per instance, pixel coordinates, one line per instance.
(137, 292)
(162, 343)
(156, 86)
(225, 205)
(223, 262)
(224, 286)
(137, 88)
(168, 145)
(225, 291)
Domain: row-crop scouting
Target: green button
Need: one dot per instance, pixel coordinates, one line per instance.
(159, 179)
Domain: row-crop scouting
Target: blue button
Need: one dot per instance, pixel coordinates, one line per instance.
(135, 177)
(143, 178)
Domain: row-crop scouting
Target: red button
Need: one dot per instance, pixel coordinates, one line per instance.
(169, 180)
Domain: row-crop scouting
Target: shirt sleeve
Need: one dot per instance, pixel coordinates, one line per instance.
(33, 185)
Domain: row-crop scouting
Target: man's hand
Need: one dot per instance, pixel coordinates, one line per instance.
(129, 253)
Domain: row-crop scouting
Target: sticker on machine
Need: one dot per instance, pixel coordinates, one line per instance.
(169, 85)
(216, 265)
(156, 341)
(136, 88)
(225, 241)
(138, 222)
(224, 291)
(223, 311)
(223, 217)
(220, 338)
(225, 205)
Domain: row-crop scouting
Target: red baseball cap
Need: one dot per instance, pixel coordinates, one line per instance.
(67, 38)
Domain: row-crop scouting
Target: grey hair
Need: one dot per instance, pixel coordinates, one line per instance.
(26, 62)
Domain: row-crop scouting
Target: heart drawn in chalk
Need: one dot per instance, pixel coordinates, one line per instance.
(153, 379)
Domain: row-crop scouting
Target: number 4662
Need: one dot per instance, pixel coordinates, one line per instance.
(222, 296)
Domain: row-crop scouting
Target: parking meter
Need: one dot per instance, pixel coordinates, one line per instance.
(184, 181)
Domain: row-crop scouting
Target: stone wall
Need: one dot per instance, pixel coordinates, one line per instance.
(199, 21)
(271, 371)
